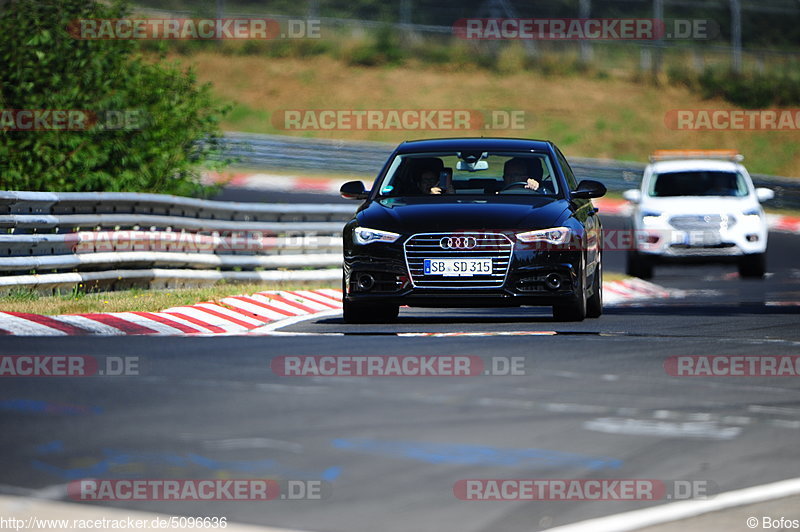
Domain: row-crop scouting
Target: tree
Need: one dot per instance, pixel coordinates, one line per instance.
(171, 126)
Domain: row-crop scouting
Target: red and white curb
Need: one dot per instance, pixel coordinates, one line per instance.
(259, 313)
(232, 315)
(277, 183)
(632, 289)
(618, 207)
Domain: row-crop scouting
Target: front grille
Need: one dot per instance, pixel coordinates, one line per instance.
(702, 222)
(423, 246)
(725, 248)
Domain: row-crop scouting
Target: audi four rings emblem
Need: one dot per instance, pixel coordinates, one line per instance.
(458, 242)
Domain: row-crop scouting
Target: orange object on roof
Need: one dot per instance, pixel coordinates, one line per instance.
(663, 155)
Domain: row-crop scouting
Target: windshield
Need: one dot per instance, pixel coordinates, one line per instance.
(698, 183)
(461, 173)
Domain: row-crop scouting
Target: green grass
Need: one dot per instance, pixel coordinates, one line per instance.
(79, 302)
(610, 277)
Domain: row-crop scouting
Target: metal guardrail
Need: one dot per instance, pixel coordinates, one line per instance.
(52, 241)
(62, 239)
(158, 278)
(276, 151)
(367, 158)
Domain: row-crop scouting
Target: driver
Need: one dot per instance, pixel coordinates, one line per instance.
(521, 169)
(721, 186)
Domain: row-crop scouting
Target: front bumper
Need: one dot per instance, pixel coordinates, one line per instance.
(662, 241)
(525, 282)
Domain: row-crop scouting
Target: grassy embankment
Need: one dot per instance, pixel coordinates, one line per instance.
(587, 116)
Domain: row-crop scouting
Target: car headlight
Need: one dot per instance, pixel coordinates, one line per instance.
(752, 215)
(364, 235)
(554, 235)
(650, 217)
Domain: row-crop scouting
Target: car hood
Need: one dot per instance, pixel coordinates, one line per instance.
(699, 204)
(430, 216)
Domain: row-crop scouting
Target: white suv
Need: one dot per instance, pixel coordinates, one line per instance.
(698, 206)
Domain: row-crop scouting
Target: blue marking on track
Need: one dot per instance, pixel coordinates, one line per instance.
(114, 459)
(51, 447)
(481, 455)
(45, 407)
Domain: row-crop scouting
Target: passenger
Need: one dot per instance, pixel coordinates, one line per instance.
(428, 183)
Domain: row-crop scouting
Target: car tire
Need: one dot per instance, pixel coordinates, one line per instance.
(753, 266)
(638, 266)
(573, 310)
(594, 305)
(369, 312)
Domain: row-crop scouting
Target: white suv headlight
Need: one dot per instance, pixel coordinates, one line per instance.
(649, 217)
(364, 235)
(554, 235)
(752, 215)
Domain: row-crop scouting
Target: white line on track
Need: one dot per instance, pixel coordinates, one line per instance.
(677, 511)
(272, 327)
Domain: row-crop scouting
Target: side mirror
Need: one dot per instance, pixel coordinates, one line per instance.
(588, 189)
(764, 194)
(354, 190)
(633, 195)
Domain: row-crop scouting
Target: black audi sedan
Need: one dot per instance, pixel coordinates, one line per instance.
(473, 222)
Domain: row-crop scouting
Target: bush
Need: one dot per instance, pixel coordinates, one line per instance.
(46, 68)
(512, 59)
(682, 76)
(555, 64)
(750, 90)
(382, 49)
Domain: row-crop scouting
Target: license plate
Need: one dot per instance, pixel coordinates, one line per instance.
(457, 267)
(702, 238)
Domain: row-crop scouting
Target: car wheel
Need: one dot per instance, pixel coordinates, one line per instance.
(369, 312)
(638, 266)
(574, 310)
(594, 306)
(753, 266)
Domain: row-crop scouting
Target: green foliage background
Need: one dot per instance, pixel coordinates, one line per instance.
(44, 67)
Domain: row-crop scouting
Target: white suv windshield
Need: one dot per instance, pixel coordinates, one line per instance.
(698, 183)
(488, 174)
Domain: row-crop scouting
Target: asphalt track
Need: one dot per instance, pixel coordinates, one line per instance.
(595, 402)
